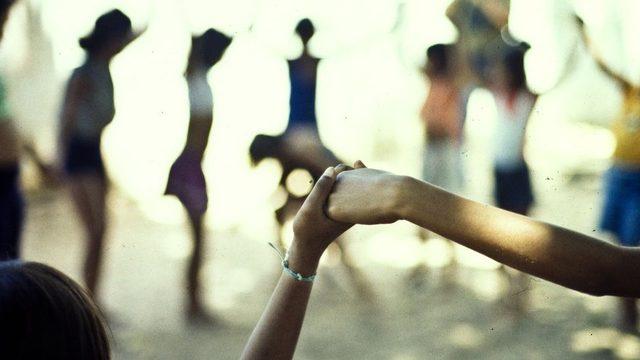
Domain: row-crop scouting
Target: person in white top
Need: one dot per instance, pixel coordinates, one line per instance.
(186, 179)
(514, 103)
(512, 183)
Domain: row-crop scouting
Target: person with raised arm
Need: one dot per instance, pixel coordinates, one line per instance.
(87, 108)
(621, 210)
(186, 178)
(276, 334)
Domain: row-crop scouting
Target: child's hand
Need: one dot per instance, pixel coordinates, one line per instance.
(367, 196)
(313, 230)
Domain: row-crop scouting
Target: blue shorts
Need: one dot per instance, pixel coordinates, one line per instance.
(621, 213)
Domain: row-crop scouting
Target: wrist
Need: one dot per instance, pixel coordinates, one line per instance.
(303, 260)
(404, 190)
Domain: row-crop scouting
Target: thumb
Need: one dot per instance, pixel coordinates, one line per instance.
(359, 164)
(322, 188)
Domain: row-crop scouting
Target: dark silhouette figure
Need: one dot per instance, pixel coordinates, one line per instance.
(87, 109)
(186, 178)
(303, 74)
(300, 146)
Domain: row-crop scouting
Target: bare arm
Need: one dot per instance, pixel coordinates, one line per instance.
(452, 13)
(497, 12)
(276, 335)
(598, 58)
(553, 253)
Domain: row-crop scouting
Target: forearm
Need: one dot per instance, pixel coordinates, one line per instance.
(559, 255)
(497, 14)
(597, 57)
(276, 334)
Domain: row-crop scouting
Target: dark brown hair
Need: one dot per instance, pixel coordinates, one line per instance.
(439, 55)
(513, 62)
(5, 5)
(46, 315)
(305, 30)
(110, 26)
(210, 46)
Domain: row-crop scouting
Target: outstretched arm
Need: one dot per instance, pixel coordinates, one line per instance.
(276, 334)
(562, 256)
(598, 58)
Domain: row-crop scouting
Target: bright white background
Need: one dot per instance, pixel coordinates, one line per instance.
(369, 88)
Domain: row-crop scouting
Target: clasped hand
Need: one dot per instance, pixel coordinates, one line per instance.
(344, 196)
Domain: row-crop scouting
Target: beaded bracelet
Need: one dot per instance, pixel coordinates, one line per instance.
(288, 270)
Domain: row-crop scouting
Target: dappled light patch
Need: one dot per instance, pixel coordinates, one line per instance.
(624, 346)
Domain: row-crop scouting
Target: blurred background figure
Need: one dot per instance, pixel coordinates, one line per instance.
(443, 116)
(303, 72)
(512, 181)
(479, 25)
(11, 201)
(621, 212)
(514, 103)
(366, 97)
(186, 178)
(300, 146)
(88, 107)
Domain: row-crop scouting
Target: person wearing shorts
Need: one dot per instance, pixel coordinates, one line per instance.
(621, 211)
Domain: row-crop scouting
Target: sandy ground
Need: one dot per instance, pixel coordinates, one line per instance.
(455, 314)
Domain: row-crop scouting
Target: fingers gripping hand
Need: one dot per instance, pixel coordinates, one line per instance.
(312, 228)
(365, 196)
(342, 167)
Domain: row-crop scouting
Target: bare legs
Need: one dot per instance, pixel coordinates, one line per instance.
(417, 275)
(629, 315)
(89, 197)
(194, 307)
(519, 283)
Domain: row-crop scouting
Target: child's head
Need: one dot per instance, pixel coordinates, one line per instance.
(5, 6)
(46, 315)
(208, 48)
(305, 30)
(111, 33)
(512, 67)
(438, 59)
